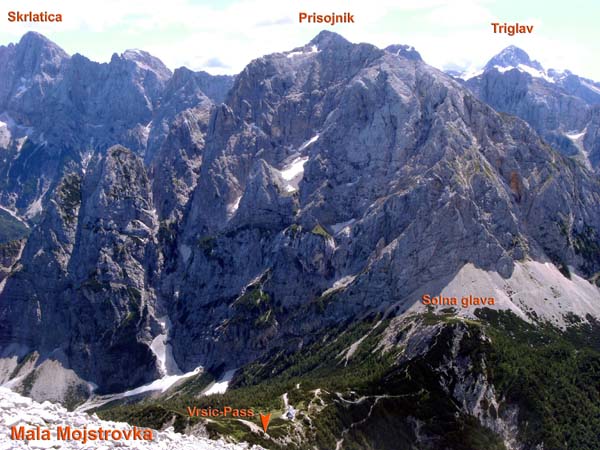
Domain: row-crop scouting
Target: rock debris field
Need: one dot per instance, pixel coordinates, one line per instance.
(16, 410)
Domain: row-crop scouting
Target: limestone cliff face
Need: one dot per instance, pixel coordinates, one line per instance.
(406, 177)
(334, 181)
(95, 249)
(58, 110)
(558, 105)
(85, 275)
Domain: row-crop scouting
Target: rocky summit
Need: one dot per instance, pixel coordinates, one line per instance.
(561, 106)
(177, 234)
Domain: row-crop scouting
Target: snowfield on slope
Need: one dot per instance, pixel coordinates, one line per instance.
(16, 410)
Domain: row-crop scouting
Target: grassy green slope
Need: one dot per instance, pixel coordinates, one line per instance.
(11, 229)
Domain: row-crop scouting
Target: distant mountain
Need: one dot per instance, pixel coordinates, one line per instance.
(57, 110)
(561, 106)
(512, 57)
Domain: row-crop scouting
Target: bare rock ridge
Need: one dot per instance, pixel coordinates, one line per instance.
(512, 56)
(56, 111)
(333, 181)
(19, 411)
(560, 106)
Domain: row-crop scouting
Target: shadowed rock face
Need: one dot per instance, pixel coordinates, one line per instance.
(85, 272)
(335, 180)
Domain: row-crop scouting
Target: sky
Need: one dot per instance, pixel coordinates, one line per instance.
(222, 36)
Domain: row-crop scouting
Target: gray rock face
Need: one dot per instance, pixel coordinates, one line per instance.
(56, 111)
(181, 93)
(27, 69)
(216, 87)
(335, 180)
(88, 267)
(94, 253)
(558, 105)
(512, 56)
(406, 51)
(407, 178)
(591, 139)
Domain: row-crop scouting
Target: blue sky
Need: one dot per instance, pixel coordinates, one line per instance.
(223, 36)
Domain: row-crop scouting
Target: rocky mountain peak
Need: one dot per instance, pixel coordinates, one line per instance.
(512, 56)
(32, 39)
(146, 61)
(406, 51)
(327, 39)
(37, 54)
(214, 87)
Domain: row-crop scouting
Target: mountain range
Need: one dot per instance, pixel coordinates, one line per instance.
(274, 232)
(561, 106)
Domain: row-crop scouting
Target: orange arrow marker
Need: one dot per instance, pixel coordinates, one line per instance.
(265, 420)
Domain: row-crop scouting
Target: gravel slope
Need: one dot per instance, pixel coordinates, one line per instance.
(16, 410)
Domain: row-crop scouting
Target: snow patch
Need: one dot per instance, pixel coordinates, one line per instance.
(14, 214)
(233, 206)
(5, 130)
(312, 50)
(146, 131)
(342, 226)
(471, 74)
(535, 73)
(347, 354)
(85, 160)
(35, 208)
(340, 284)
(409, 48)
(575, 136)
(135, 226)
(293, 173)
(162, 384)
(311, 141)
(163, 351)
(221, 385)
(22, 88)
(352, 349)
(294, 169)
(591, 87)
(577, 139)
